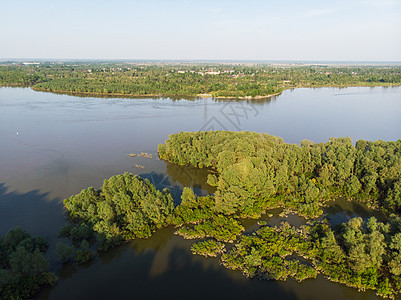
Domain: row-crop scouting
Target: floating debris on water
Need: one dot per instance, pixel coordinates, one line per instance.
(142, 154)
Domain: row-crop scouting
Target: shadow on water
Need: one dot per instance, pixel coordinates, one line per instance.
(190, 176)
(160, 267)
(177, 177)
(155, 244)
(33, 211)
(162, 181)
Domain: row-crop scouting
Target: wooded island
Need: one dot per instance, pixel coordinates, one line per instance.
(257, 172)
(190, 80)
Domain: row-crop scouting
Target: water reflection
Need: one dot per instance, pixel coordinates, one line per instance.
(122, 96)
(163, 267)
(341, 210)
(170, 272)
(67, 143)
(272, 217)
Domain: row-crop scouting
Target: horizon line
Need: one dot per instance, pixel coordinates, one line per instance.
(198, 60)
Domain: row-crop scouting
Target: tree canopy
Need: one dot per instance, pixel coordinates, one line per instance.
(126, 207)
(258, 171)
(23, 267)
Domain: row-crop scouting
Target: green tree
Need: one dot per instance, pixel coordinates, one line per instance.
(64, 252)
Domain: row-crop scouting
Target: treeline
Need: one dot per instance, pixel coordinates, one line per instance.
(259, 171)
(316, 76)
(12, 76)
(23, 267)
(161, 82)
(190, 80)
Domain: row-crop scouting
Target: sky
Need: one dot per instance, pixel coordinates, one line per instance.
(336, 30)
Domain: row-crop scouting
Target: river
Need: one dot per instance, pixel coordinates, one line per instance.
(52, 146)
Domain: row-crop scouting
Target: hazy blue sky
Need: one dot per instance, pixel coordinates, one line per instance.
(191, 29)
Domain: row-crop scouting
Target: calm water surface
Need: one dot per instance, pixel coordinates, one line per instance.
(52, 146)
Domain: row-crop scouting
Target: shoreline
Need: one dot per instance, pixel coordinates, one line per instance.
(205, 95)
(258, 97)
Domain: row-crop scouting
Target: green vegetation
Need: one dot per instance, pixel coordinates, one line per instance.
(256, 172)
(85, 254)
(259, 171)
(23, 268)
(208, 248)
(193, 209)
(218, 80)
(64, 252)
(201, 219)
(126, 207)
(19, 76)
(252, 173)
(219, 227)
(364, 255)
(272, 253)
(361, 254)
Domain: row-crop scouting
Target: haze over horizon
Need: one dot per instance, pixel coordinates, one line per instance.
(359, 30)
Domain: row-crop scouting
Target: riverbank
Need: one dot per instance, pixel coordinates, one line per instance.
(172, 81)
(88, 94)
(257, 97)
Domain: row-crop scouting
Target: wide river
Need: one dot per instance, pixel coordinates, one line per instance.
(52, 146)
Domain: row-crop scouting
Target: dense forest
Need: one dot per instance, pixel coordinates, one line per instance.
(259, 171)
(253, 173)
(218, 80)
(23, 267)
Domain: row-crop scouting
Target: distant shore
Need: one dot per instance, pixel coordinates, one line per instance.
(257, 97)
(205, 95)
